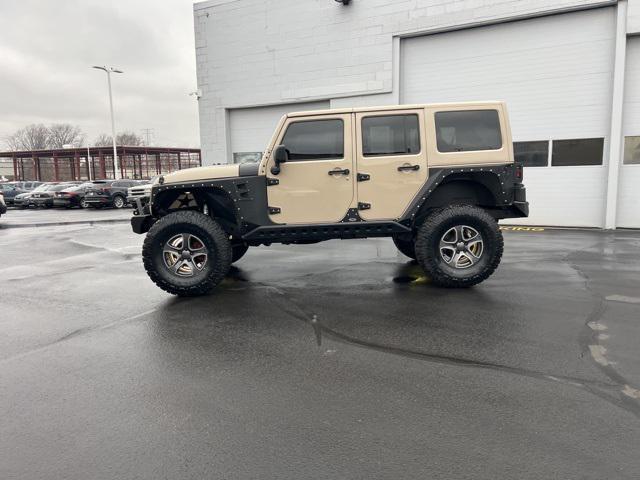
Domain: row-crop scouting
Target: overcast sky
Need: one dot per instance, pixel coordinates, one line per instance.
(47, 46)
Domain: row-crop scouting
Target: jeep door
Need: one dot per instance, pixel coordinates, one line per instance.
(391, 161)
(315, 184)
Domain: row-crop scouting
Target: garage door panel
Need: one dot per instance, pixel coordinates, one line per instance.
(555, 75)
(629, 185)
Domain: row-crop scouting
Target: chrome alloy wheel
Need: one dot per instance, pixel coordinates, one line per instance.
(461, 246)
(185, 254)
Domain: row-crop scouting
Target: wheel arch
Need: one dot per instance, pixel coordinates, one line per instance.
(218, 202)
(480, 189)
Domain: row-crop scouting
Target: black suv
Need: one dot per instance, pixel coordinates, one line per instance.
(108, 193)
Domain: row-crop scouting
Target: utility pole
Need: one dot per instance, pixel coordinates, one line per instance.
(148, 134)
(116, 163)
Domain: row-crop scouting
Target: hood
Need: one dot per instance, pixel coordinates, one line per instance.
(202, 173)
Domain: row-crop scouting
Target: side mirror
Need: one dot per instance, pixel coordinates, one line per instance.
(280, 155)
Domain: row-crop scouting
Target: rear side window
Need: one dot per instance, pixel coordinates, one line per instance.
(390, 135)
(468, 130)
(316, 139)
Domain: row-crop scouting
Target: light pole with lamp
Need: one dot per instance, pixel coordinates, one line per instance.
(116, 163)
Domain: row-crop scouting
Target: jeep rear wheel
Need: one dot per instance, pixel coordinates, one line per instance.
(186, 253)
(459, 246)
(406, 246)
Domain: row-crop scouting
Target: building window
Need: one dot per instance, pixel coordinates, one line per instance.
(247, 157)
(468, 130)
(315, 139)
(532, 154)
(632, 150)
(581, 151)
(390, 135)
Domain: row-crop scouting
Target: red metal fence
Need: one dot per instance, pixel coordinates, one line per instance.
(97, 163)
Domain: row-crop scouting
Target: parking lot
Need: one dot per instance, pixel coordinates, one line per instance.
(334, 360)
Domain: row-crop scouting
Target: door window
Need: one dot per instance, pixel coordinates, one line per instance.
(468, 130)
(390, 135)
(315, 140)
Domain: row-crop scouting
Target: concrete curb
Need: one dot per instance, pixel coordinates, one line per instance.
(57, 224)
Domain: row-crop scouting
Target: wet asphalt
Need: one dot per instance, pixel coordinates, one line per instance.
(335, 360)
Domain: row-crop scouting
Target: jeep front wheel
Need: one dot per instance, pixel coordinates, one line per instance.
(186, 253)
(459, 246)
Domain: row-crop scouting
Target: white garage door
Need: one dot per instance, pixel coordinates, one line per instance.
(555, 75)
(252, 128)
(629, 186)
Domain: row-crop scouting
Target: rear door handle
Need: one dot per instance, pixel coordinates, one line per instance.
(405, 168)
(338, 171)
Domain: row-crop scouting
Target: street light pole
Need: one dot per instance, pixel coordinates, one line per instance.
(116, 163)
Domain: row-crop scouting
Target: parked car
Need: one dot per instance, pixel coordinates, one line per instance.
(28, 185)
(109, 193)
(22, 200)
(44, 198)
(9, 191)
(138, 192)
(3, 207)
(73, 196)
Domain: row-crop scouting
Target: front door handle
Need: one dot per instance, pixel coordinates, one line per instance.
(405, 168)
(339, 171)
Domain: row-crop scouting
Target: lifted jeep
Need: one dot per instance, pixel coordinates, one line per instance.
(434, 178)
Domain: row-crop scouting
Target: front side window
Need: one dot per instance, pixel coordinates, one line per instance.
(575, 152)
(468, 130)
(247, 157)
(632, 150)
(314, 140)
(390, 135)
(531, 154)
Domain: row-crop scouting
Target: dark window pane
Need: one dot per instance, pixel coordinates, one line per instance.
(390, 135)
(531, 154)
(468, 130)
(632, 150)
(581, 151)
(315, 140)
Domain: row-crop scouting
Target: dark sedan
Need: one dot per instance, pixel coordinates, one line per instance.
(44, 198)
(72, 196)
(9, 191)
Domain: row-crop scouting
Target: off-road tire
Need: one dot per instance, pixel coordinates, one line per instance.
(435, 227)
(216, 242)
(237, 251)
(406, 247)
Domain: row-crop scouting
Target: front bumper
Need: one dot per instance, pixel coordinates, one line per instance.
(42, 202)
(141, 223)
(63, 202)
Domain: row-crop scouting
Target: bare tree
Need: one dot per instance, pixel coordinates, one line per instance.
(61, 134)
(128, 139)
(102, 140)
(31, 137)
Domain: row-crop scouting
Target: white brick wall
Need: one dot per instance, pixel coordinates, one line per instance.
(261, 52)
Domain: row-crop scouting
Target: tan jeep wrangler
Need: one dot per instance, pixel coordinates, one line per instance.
(434, 178)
